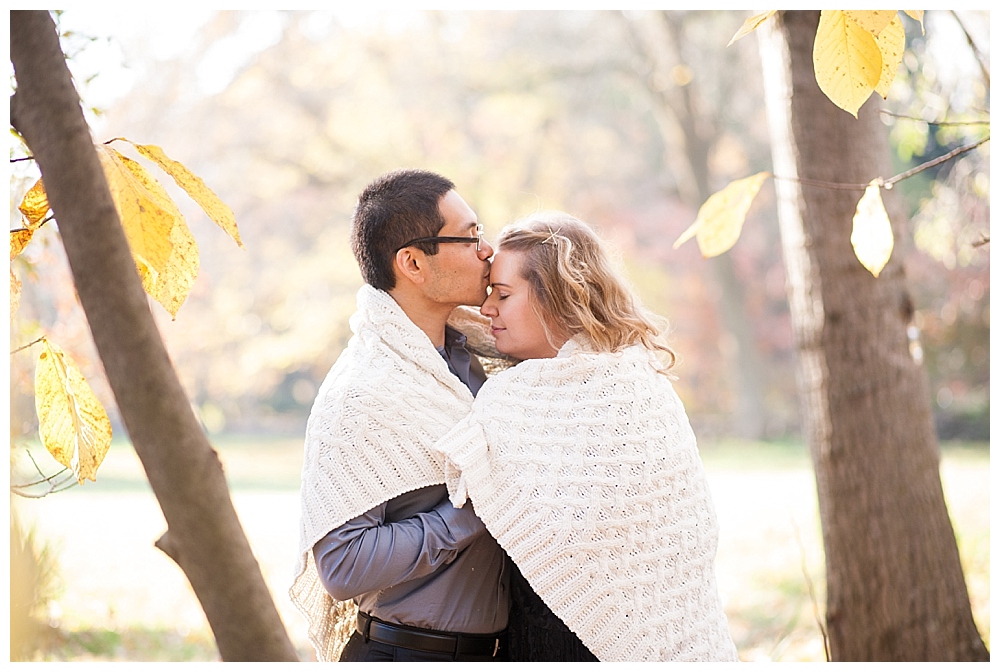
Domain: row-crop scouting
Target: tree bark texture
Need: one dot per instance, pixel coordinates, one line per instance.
(205, 536)
(895, 587)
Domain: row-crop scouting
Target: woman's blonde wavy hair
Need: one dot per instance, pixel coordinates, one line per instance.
(575, 287)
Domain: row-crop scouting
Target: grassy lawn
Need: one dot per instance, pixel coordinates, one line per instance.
(118, 598)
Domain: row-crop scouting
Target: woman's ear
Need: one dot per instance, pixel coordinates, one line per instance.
(411, 264)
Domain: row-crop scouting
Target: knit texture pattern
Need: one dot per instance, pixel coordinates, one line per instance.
(369, 438)
(585, 469)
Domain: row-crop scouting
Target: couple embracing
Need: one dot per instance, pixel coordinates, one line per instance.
(556, 510)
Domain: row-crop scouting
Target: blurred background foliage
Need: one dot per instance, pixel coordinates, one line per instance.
(625, 119)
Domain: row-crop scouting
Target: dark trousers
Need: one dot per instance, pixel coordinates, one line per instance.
(358, 650)
(534, 633)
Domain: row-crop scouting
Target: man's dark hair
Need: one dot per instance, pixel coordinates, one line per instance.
(394, 209)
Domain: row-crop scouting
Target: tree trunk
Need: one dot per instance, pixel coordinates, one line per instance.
(895, 588)
(204, 535)
(690, 132)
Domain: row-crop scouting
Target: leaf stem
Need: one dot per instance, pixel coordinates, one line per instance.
(25, 347)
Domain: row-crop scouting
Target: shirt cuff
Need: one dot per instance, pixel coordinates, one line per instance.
(463, 523)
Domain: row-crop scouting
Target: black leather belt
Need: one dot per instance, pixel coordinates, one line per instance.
(457, 644)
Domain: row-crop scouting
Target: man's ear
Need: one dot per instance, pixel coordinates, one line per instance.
(411, 264)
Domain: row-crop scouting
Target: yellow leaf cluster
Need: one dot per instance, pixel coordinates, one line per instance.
(871, 236)
(855, 53)
(19, 239)
(34, 206)
(165, 252)
(73, 425)
(217, 211)
(71, 421)
(720, 220)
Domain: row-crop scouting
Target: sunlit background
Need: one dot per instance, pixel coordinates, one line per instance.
(628, 120)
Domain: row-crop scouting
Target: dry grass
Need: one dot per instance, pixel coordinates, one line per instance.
(121, 599)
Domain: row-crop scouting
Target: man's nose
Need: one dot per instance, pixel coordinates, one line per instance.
(485, 250)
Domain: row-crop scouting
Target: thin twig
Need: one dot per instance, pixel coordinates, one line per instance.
(25, 158)
(33, 462)
(985, 240)
(941, 159)
(21, 489)
(36, 227)
(824, 184)
(977, 122)
(25, 347)
(892, 180)
(975, 50)
(61, 486)
(43, 479)
(812, 592)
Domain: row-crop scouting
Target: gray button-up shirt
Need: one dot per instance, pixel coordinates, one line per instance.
(416, 559)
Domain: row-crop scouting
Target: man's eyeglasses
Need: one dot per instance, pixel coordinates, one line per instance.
(478, 239)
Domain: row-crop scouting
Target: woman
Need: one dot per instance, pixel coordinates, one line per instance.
(581, 460)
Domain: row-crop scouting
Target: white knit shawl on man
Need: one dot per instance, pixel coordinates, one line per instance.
(584, 467)
(370, 438)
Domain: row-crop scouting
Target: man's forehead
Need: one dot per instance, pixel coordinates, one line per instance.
(456, 212)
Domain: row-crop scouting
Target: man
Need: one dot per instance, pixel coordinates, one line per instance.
(377, 527)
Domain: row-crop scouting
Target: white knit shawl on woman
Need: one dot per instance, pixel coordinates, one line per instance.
(584, 467)
(370, 438)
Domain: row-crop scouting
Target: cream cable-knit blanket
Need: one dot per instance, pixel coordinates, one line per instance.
(370, 438)
(584, 467)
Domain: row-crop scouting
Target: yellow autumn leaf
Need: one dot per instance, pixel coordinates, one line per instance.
(19, 239)
(15, 294)
(751, 25)
(846, 59)
(720, 218)
(872, 20)
(147, 225)
(34, 206)
(891, 42)
(217, 211)
(174, 282)
(72, 424)
(164, 250)
(871, 236)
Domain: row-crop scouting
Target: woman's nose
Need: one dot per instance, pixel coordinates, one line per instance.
(488, 309)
